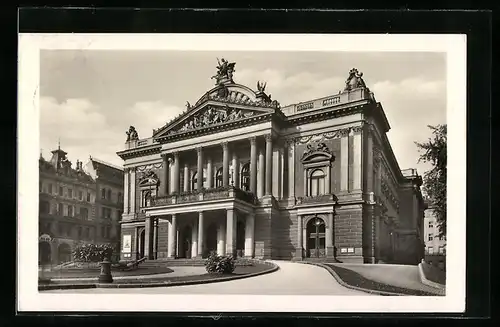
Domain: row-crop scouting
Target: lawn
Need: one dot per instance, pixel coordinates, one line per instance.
(353, 278)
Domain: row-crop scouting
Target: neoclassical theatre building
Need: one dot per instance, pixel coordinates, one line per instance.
(238, 174)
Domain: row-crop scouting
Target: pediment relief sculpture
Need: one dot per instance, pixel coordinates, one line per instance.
(213, 116)
(320, 149)
(148, 178)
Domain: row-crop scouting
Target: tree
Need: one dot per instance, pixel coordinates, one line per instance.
(434, 151)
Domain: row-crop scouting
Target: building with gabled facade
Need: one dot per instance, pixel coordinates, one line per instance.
(240, 175)
(69, 207)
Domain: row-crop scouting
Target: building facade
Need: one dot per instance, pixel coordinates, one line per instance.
(435, 245)
(238, 174)
(68, 204)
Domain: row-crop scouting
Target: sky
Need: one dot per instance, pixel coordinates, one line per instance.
(89, 98)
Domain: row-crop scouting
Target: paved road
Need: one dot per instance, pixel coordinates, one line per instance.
(290, 279)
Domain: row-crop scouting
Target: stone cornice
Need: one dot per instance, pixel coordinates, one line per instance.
(139, 152)
(322, 114)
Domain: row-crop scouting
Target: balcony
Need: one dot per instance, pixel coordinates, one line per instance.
(221, 193)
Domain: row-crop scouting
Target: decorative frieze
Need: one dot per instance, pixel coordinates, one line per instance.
(389, 194)
(344, 132)
(149, 167)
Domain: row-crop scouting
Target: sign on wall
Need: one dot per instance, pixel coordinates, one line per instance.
(127, 243)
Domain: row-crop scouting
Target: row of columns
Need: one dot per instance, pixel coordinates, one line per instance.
(198, 236)
(264, 166)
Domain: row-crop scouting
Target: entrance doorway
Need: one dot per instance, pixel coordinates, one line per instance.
(64, 252)
(211, 244)
(315, 233)
(240, 238)
(142, 245)
(185, 242)
(44, 253)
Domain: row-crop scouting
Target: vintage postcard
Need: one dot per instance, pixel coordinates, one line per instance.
(241, 172)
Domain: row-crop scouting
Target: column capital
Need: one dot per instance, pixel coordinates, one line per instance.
(268, 137)
(176, 155)
(200, 213)
(199, 149)
(224, 145)
(253, 140)
(165, 156)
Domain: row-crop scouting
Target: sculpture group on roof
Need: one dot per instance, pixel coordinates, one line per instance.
(132, 134)
(354, 80)
(225, 71)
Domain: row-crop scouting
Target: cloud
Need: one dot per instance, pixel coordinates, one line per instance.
(292, 88)
(85, 128)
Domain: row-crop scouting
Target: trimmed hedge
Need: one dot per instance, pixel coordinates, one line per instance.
(93, 252)
(217, 264)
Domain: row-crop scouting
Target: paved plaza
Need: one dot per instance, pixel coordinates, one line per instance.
(291, 279)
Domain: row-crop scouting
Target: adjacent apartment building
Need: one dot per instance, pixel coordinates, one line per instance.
(240, 175)
(70, 206)
(435, 245)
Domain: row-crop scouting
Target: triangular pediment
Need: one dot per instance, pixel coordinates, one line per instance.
(211, 116)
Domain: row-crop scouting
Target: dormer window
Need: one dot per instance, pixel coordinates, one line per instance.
(317, 162)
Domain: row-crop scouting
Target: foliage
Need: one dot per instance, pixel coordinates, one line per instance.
(219, 264)
(93, 252)
(434, 151)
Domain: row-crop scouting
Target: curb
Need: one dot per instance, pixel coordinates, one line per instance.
(344, 284)
(424, 280)
(273, 268)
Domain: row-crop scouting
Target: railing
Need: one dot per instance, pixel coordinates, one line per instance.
(140, 143)
(203, 195)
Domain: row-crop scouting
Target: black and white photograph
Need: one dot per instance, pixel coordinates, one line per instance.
(241, 172)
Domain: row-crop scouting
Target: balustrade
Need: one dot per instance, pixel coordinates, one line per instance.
(230, 192)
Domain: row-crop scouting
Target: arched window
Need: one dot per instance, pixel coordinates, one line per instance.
(245, 177)
(103, 193)
(317, 182)
(218, 178)
(194, 181)
(146, 198)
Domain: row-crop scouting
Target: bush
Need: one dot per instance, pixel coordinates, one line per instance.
(92, 252)
(216, 264)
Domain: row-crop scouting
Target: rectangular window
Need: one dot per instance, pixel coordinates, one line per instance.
(430, 224)
(441, 250)
(61, 191)
(88, 197)
(430, 237)
(44, 207)
(80, 195)
(103, 194)
(84, 213)
(87, 232)
(49, 189)
(70, 211)
(70, 193)
(60, 209)
(431, 250)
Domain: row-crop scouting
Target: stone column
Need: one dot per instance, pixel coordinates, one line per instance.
(236, 170)
(172, 237)
(210, 174)
(126, 189)
(291, 169)
(225, 164)
(357, 160)
(368, 166)
(299, 252)
(262, 173)
(306, 186)
(329, 236)
(186, 178)
(269, 165)
(328, 180)
(149, 238)
(176, 172)
(166, 172)
(344, 163)
(253, 165)
(199, 175)
(221, 240)
(250, 236)
(155, 238)
(132, 190)
(231, 233)
(136, 244)
(194, 240)
(201, 225)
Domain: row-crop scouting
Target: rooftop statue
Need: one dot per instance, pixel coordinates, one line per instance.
(354, 80)
(225, 71)
(261, 87)
(132, 134)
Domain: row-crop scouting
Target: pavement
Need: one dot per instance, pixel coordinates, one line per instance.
(291, 279)
(405, 276)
